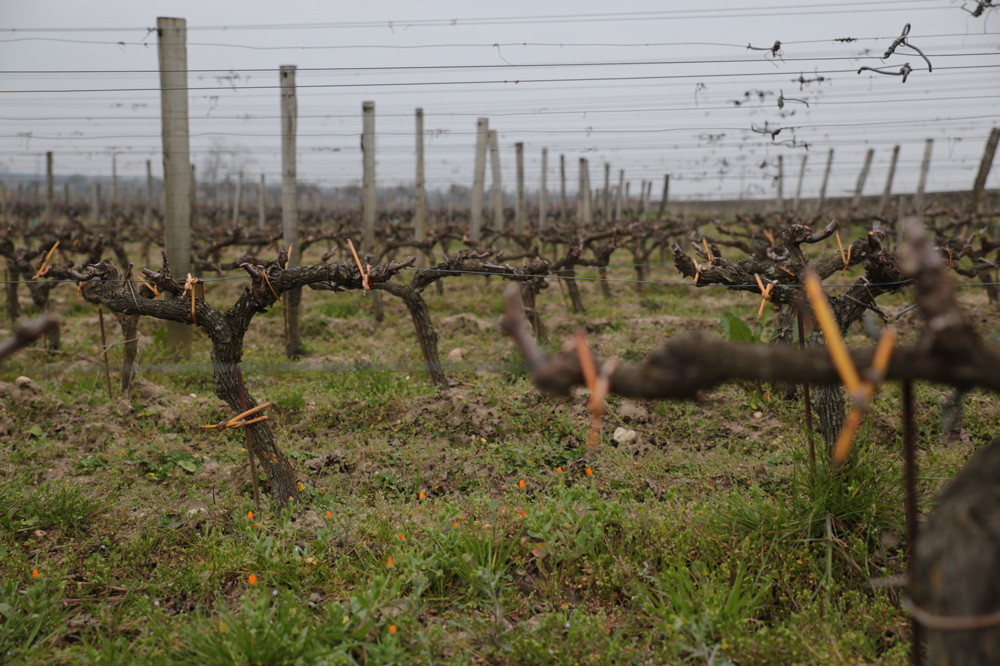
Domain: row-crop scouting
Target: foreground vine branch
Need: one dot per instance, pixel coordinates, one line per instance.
(948, 351)
(26, 333)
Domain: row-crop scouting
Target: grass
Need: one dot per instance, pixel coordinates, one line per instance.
(709, 538)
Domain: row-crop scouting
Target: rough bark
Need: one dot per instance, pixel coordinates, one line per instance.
(955, 587)
(129, 325)
(829, 406)
(568, 275)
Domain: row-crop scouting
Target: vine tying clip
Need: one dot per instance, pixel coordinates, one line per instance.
(765, 293)
(189, 285)
(861, 391)
(599, 383)
(361, 269)
(240, 419)
(43, 267)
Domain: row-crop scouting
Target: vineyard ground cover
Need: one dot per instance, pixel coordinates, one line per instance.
(700, 538)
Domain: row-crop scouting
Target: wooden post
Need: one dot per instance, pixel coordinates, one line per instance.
(238, 199)
(826, 181)
(478, 181)
(369, 193)
(619, 194)
(984, 171)
(420, 217)
(862, 177)
(779, 199)
(798, 187)
(177, 170)
(194, 191)
(606, 199)
(114, 183)
(543, 191)
(519, 211)
(147, 214)
(496, 187)
(562, 188)
(884, 202)
(584, 217)
(368, 203)
(925, 167)
(663, 201)
(95, 205)
(262, 202)
(290, 202)
(50, 201)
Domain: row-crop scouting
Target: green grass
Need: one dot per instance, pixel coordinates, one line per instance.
(710, 538)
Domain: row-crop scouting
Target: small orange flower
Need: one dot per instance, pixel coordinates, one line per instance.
(559, 470)
(329, 514)
(388, 561)
(461, 517)
(399, 535)
(392, 629)
(589, 472)
(520, 484)
(34, 573)
(455, 524)
(421, 495)
(249, 515)
(252, 579)
(522, 513)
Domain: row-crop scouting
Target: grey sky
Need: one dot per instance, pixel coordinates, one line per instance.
(541, 72)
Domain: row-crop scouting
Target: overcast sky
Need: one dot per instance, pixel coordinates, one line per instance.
(648, 86)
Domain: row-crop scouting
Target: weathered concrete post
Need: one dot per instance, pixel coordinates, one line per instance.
(884, 201)
(177, 176)
(925, 167)
(290, 202)
(479, 181)
(985, 164)
(496, 187)
(420, 215)
(862, 177)
(826, 180)
(519, 210)
(543, 190)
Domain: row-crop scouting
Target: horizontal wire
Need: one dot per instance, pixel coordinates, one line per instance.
(588, 132)
(407, 84)
(507, 114)
(713, 13)
(630, 84)
(405, 68)
(548, 277)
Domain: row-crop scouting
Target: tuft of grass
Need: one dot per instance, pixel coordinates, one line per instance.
(272, 626)
(64, 506)
(29, 618)
(845, 512)
(694, 608)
